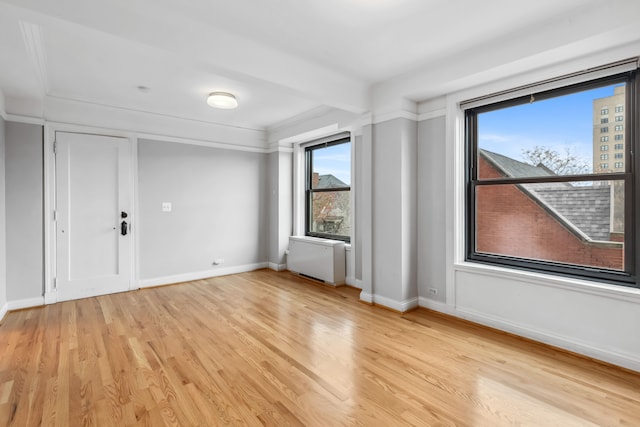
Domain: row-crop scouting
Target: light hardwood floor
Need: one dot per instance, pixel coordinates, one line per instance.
(266, 348)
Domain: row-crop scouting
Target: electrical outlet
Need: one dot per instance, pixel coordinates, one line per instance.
(433, 291)
(218, 261)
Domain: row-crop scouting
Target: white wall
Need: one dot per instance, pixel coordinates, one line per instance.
(24, 214)
(394, 213)
(219, 211)
(280, 207)
(3, 253)
(431, 213)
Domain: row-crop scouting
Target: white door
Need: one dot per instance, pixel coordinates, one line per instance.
(93, 206)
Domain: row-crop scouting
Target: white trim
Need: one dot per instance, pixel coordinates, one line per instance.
(617, 292)
(357, 283)
(401, 306)
(625, 360)
(392, 115)
(50, 297)
(25, 119)
(188, 277)
(3, 311)
(277, 267)
(350, 280)
(441, 112)
(25, 303)
(366, 297)
(275, 147)
(201, 143)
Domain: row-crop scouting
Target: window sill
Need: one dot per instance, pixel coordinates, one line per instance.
(619, 292)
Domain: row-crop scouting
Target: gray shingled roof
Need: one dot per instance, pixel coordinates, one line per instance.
(330, 181)
(586, 209)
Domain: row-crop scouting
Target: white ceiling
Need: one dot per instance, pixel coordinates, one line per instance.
(282, 58)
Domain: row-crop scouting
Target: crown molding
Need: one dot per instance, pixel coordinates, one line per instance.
(24, 119)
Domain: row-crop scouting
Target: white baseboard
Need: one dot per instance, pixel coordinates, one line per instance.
(3, 311)
(25, 303)
(625, 360)
(277, 267)
(50, 297)
(400, 306)
(187, 277)
(350, 280)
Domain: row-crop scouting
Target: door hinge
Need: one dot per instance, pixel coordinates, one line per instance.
(55, 215)
(55, 146)
(55, 283)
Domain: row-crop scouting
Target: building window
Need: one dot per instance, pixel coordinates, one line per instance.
(540, 207)
(619, 137)
(328, 190)
(619, 109)
(619, 156)
(604, 129)
(619, 127)
(604, 138)
(604, 111)
(619, 118)
(618, 146)
(604, 120)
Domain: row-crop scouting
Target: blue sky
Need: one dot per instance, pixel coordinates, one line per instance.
(558, 123)
(334, 160)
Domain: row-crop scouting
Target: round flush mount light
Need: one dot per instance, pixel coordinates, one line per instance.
(224, 100)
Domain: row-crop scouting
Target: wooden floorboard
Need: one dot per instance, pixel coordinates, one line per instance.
(267, 348)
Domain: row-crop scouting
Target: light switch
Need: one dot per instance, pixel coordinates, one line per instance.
(166, 206)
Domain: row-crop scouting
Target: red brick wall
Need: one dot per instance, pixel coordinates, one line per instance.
(510, 223)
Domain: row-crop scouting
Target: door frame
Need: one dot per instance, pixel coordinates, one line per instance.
(50, 255)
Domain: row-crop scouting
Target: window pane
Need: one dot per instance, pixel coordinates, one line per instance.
(331, 166)
(556, 136)
(571, 223)
(331, 213)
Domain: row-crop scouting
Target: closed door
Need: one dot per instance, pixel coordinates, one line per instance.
(93, 222)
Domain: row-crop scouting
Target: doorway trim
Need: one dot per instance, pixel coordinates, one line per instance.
(50, 129)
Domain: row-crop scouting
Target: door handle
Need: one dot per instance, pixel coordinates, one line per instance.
(123, 228)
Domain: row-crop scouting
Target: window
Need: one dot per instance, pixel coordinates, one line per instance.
(604, 111)
(604, 129)
(619, 156)
(533, 204)
(618, 146)
(604, 138)
(619, 118)
(328, 190)
(619, 109)
(619, 127)
(619, 137)
(603, 121)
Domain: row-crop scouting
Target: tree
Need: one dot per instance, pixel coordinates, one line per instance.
(567, 163)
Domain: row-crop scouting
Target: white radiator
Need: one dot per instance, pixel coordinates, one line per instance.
(320, 259)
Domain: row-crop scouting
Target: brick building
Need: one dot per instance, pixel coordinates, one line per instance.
(556, 222)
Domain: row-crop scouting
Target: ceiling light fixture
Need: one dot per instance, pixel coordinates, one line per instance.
(224, 100)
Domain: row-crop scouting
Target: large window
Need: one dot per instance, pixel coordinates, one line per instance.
(328, 190)
(538, 197)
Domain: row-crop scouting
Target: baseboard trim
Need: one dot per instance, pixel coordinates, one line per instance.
(624, 360)
(25, 303)
(277, 267)
(187, 277)
(50, 297)
(3, 311)
(351, 281)
(394, 305)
